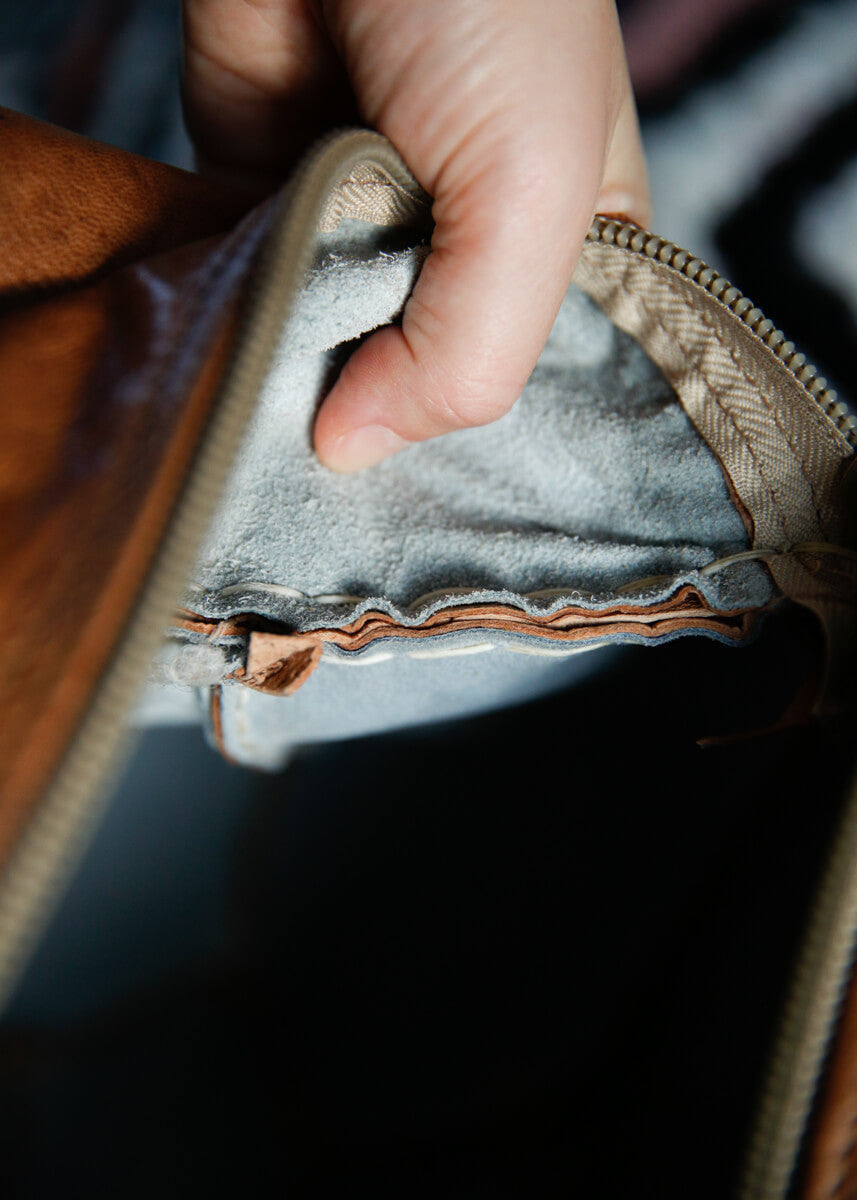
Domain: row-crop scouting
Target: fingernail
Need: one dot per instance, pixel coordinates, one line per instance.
(361, 448)
(619, 206)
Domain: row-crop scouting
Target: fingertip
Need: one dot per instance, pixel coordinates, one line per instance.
(359, 448)
(353, 428)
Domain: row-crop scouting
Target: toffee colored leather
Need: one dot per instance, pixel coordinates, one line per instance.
(73, 208)
(95, 444)
(831, 1169)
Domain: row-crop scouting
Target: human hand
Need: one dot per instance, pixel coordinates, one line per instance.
(518, 118)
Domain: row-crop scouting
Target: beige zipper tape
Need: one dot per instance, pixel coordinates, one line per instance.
(782, 437)
(783, 454)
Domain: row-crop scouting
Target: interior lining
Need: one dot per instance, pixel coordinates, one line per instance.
(594, 480)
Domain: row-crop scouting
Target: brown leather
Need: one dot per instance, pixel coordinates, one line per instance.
(105, 391)
(683, 611)
(72, 208)
(105, 386)
(279, 662)
(216, 714)
(831, 1162)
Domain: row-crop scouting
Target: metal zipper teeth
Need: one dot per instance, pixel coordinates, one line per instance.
(59, 832)
(639, 241)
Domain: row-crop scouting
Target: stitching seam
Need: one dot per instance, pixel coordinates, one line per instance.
(710, 324)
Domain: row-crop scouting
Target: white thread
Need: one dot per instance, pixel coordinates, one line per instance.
(335, 598)
(352, 660)
(543, 652)
(452, 651)
(359, 660)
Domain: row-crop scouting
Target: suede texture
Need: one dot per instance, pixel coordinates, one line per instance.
(594, 480)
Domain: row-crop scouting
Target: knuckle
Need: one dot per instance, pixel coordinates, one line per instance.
(454, 401)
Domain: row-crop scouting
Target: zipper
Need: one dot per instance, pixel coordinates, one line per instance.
(58, 834)
(648, 245)
(821, 971)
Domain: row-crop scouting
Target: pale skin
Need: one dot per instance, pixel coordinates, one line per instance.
(517, 117)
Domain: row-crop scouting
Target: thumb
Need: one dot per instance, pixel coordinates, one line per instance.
(513, 202)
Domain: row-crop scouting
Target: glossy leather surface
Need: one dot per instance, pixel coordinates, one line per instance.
(106, 388)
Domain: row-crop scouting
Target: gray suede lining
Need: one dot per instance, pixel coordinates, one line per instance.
(595, 479)
(393, 691)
